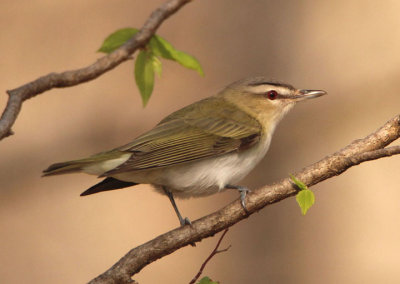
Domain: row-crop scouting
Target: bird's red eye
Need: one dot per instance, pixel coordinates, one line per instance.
(272, 95)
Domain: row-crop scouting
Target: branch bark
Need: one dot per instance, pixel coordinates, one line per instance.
(74, 77)
(369, 148)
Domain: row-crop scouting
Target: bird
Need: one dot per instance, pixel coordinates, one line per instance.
(201, 149)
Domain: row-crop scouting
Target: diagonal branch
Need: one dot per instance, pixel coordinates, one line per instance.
(369, 148)
(74, 77)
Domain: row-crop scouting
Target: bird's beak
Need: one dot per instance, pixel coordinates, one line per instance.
(309, 94)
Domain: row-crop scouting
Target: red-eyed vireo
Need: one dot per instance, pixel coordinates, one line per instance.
(200, 149)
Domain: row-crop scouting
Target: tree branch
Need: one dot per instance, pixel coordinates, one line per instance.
(212, 254)
(369, 148)
(74, 77)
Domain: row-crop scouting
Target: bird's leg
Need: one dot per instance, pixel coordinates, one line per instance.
(243, 191)
(183, 221)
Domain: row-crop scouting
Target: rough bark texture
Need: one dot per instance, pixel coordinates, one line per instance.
(369, 148)
(74, 77)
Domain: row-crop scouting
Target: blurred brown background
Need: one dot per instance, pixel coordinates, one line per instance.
(349, 48)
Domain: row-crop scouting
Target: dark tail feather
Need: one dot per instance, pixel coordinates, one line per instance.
(107, 184)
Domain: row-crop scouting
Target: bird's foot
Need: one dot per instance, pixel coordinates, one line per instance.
(185, 221)
(243, 192)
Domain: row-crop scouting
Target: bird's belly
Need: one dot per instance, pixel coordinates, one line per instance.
(201, 178)
(206, 177)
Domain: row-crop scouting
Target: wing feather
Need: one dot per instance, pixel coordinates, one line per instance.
(185, 137)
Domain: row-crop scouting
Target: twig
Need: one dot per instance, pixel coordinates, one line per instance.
(376, 154)
(370, 147)
(213, 253)
(74, 77)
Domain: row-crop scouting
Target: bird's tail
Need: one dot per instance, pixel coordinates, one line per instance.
(96, 164)
(66, 167)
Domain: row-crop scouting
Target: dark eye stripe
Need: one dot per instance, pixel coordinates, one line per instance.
(277, 84)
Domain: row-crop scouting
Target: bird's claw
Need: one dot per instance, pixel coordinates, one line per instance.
(185, 221)
(243, 192)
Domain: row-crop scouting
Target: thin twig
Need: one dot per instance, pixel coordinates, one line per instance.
(213, 253)
(74, 77)
(370, 147)
(376, 154)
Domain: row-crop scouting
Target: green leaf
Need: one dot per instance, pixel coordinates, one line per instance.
(188, 61)
(206, 280)
(157, 65)
(163, 48)
(305, 197)
(116, 39)
(147, 61)
(144, 74)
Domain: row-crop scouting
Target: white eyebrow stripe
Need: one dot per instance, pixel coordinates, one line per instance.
(262, 89)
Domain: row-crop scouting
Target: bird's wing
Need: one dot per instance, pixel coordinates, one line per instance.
(188, 137)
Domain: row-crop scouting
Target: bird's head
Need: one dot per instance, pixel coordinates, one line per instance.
(267, 101)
